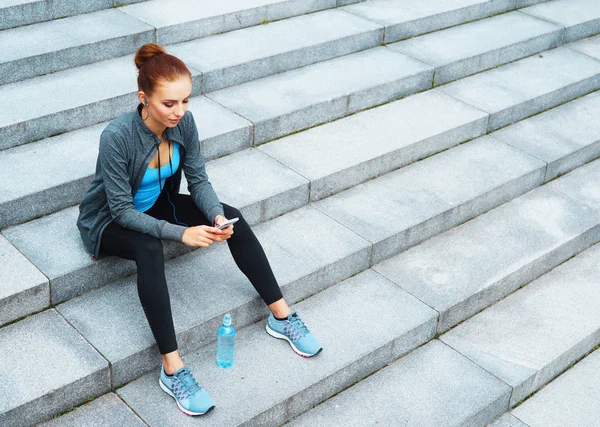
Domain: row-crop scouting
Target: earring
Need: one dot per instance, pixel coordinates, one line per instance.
(146, 103)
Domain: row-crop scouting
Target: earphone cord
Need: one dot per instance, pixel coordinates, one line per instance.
(170, 183)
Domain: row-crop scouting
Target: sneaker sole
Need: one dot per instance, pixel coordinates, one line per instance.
(283, 337)
(185, 411)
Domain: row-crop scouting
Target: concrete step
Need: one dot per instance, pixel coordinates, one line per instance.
(521, 342)
(269, 384)
(183, 20)
(507, 420)
(51, 369)
(523, 88)
(524, 3)
(347, 2)
(580, 18)
(65, 43)
(405, 18)
(225, 59)
(432, 386)
(307, 251)
(106, 411)
(410, 205)
(88, 95)
(580, 185)
(298, 99)
(66, 163)
(589, 46)
(269, 201)
(270, 189)
(264, 192)
(277, 105)
(491, 256)
(564, 137)
(524, 340)
(534, 334)
(248, 54)
(571, 399)
(111, 84)
(24, 289)
(292, 101)
(222, 132)
(16, 13)
(476, 46)
(354, 149)
(317, 153)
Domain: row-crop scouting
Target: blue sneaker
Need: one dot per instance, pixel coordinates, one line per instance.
(190, 397)
(295, 332)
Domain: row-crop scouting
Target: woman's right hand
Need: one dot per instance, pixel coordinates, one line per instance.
(201, 235)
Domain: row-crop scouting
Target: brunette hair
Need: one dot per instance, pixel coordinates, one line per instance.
(155, 64)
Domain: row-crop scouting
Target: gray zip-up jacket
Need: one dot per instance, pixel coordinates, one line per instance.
(126, 147)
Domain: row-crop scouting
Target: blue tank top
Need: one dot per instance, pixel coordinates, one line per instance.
(148, 192)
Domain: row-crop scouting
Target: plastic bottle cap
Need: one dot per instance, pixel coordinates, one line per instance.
(227, 320)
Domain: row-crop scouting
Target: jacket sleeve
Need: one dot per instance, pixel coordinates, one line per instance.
(200, 188)
(113, 162)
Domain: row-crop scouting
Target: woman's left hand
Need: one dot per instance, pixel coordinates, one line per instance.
(227, 232)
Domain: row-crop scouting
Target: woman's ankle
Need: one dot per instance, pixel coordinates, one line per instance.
(172, 362)
(171, 369)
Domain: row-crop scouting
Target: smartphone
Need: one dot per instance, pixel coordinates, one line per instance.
(227, 223)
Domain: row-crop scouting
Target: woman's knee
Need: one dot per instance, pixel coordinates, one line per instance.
(231, 212)
(241, 229)
(149, 248)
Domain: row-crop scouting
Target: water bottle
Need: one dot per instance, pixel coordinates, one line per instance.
(225, 342)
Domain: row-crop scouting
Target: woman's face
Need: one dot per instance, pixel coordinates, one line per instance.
(168, 103)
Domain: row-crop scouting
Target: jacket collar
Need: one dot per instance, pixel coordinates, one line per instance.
(172, 134)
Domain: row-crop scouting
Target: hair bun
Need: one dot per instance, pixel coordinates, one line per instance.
(147, 52)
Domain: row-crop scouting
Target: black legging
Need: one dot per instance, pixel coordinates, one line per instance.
(147, 252)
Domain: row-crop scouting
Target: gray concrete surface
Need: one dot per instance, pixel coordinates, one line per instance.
(63, 168)
(106, 411)
(534, 334)
(467, 49)
(348, 151)
(177, 20)
(269, 383)
(220, 130)
(60, 44)
(528, 86)
(265, 190)
(51, 369)
(581, 18)
(53, 244)
(565, 137)
(285, 103)
(412, 204)
(24, 289)
(56, 103)
(306, 250)
(405, 18)
(15, 13)
(508, 420)
(589, 46)
(432, 386)
(62, 180)
(571, 399)
(469, 267)
(250, 53)
(580, 184)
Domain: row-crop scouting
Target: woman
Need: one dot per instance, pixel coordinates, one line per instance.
(134, 203)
